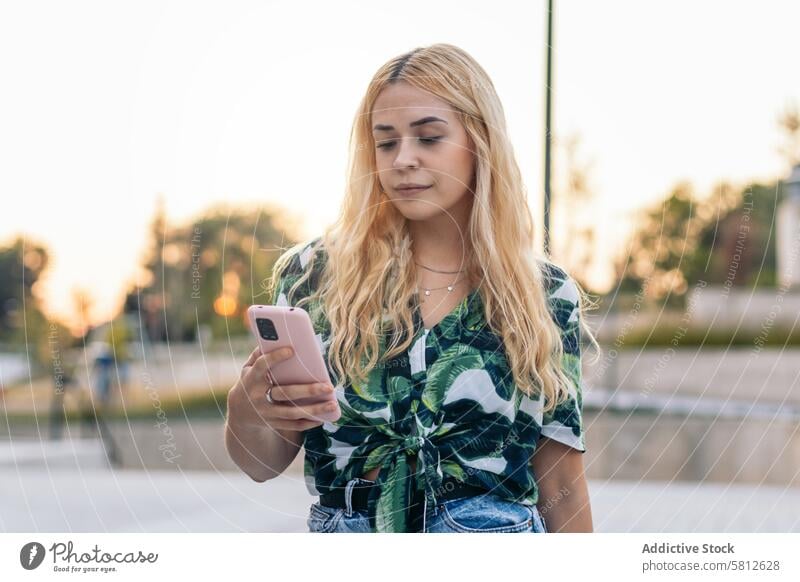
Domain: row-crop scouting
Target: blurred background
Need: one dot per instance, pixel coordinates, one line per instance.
(158, 158)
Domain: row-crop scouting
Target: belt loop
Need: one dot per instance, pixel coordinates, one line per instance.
(348, 497)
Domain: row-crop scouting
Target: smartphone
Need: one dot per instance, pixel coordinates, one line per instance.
(276, 327)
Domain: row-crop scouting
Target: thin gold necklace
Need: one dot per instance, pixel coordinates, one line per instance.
(437, 271)
(448, 287)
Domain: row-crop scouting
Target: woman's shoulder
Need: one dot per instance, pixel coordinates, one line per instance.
(562, 290)
(557, 280)
(295, 274)
(296, 259)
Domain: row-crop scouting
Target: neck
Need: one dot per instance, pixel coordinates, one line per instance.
(441, 243)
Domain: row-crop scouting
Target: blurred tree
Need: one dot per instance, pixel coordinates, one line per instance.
(724, 239)
(21, 265)
(736, 245)
(83, 303)
(577, 240)
(789, 124)
(22, 321)
(665, 235)
(206, 273)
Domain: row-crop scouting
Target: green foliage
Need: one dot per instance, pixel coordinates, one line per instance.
(738, 245)
(23, 325)
(668, 335)
(222, 254)
(21, 265)
(726, 238)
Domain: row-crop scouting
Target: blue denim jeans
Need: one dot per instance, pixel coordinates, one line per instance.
(485, 513)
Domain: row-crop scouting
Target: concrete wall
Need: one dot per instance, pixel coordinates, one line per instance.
(766, 375)
(629, 446)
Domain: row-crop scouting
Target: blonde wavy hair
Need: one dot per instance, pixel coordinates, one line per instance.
(369, 276)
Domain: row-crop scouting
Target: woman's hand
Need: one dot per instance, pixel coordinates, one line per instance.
(249, 408)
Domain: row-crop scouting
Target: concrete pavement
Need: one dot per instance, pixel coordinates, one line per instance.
(96, 499)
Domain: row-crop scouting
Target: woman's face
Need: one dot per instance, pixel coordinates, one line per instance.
(420, 140)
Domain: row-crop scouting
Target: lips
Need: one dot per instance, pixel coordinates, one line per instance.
(411, 191)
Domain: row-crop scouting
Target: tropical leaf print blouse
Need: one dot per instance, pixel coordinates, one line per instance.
(450, 401)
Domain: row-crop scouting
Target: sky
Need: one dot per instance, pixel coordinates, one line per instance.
(108, 106)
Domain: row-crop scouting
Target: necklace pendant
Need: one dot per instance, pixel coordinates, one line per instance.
(449, 288)
(427, 291)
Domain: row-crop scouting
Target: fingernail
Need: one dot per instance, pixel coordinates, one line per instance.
(286, 352)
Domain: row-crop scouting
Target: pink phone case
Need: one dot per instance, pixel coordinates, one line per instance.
(283, 326)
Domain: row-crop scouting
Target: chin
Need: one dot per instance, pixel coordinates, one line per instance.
(417, 210)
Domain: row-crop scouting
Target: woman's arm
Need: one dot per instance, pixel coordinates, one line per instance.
(563, 492)
(262, 453)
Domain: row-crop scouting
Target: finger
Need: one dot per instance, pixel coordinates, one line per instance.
(296, 412)
(256, 377)
(291, 392)
(251, 359)
(271, 358)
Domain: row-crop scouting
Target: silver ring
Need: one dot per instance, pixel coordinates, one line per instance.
(269, 393)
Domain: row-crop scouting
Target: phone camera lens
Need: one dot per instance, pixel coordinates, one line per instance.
(266, 328)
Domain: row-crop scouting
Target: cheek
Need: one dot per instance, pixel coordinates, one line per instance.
(383, 169)
(456, 166)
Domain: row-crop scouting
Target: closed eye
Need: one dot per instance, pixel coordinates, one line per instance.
(385, 145)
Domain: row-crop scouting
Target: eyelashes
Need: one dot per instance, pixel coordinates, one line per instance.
(387, 145)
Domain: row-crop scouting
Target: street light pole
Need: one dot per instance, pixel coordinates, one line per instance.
(548, 127)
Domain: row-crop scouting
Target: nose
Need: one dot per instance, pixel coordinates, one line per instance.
(406, 154)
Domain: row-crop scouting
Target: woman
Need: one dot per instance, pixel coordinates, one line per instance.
(454, 351)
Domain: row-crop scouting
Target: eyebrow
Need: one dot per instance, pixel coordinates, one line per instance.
(423, 121)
